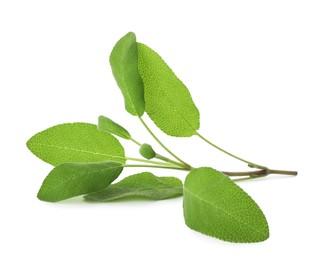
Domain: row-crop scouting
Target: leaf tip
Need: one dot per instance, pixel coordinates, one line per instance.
(130, 35)
(28, 144)
(41, 195)
(32, 147)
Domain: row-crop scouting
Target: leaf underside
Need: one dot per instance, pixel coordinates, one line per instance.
(75, 142)
(68, 180)
(216, 206)
(145, 185)
(167, 100)
(124, 64)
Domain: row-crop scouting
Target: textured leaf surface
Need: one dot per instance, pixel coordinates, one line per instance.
(167, 100)
(68, 180)
(107, 125)
(144, 185)
(124, 64)
(75, 142)
(216, 206)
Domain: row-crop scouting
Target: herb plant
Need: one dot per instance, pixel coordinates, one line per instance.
(87, 158)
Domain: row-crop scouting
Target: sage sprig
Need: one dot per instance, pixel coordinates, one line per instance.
(88, 158)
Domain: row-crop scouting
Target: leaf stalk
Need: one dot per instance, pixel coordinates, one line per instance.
(250, 164)
(162, 145)
(155, 166)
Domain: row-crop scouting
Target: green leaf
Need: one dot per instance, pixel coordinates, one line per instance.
(216, 206)
(144, 185)
(168, 101)
(68, 180)
(107, 125)
(75, 142)
(124, 64)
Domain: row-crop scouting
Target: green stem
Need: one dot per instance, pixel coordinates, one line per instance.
(146, 161)
(163, 158)
(136, 142)
(162, 145)
(252, 165)
(140, 160)
(154, 166)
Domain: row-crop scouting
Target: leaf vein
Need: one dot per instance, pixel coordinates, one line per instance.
(219, 209)
(79, 150)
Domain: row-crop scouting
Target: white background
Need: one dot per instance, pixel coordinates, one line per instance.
(254, 69)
